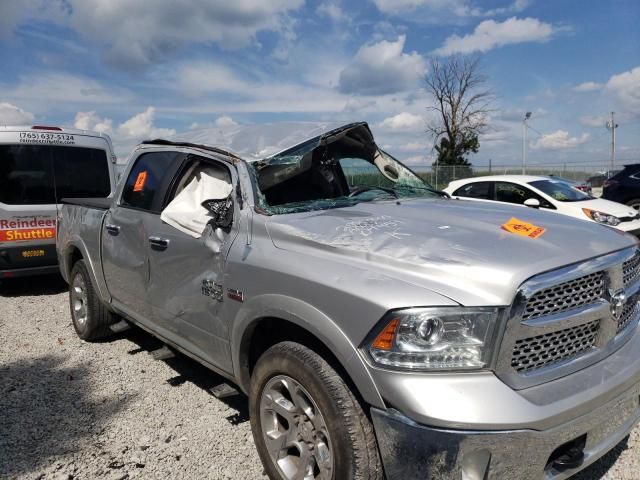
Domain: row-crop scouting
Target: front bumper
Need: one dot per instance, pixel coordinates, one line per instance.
(28, 272)
(26, 259)
(632, 227)
(413, 451)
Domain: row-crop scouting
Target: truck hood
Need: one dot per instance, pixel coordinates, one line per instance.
(455, 248)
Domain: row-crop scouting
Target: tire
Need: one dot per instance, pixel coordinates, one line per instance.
(90, 317)
(298, 400)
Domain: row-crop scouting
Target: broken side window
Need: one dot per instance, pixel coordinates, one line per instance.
(200, 187)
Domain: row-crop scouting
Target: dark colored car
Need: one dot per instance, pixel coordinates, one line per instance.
(598, 180)
(624, 187)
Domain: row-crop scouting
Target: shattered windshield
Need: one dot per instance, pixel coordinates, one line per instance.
(340, 169)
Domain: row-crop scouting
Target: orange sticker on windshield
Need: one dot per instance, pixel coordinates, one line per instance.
(140, 181)
(523, 228)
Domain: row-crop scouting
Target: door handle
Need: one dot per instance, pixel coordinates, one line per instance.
(158, 243)
(112, 229)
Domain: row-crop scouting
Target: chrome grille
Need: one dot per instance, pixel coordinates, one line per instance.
(629, 312)
(565, 296)
(631, 269)
(543, 350)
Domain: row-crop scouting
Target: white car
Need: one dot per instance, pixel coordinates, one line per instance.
(548, 193)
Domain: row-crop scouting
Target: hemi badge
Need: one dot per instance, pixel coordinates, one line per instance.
(235, 295)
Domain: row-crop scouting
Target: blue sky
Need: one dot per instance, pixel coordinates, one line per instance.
(140, 69)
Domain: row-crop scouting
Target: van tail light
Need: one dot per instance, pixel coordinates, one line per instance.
(45, 127)
(610, 183)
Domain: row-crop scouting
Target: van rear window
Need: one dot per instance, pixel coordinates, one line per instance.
(44, 174)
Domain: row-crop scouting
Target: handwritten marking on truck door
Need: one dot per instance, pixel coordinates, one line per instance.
(520, 227)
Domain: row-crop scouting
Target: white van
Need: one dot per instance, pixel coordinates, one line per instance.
(39, 166)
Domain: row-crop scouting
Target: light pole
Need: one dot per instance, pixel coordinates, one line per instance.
(527, 116)
(612, 125)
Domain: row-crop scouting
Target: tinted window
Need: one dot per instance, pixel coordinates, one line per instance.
(474, 190)
(560, 191)
(33, 174)
(512, 193)
(81, 172)
(145, 179)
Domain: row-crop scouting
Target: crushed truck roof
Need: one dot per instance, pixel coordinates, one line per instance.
(257, 141)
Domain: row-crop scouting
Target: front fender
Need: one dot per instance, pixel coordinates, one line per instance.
(312, 320)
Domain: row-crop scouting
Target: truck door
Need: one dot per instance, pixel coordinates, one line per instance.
(125, 240)
(186, 274)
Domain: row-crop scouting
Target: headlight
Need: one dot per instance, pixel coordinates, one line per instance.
(434, 338)
(601, 217)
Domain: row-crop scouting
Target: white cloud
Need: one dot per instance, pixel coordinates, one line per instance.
(44, 90)
(382, 68)
(490, 34)
(141, 33)
(126, 135)
(594, 120)
(230, 92)
(14, 13)
(141, 126)
(516, 115)
(225, 121)
(12, 115)
(626, 87)
(332, 11)
(559, 140)
(404, 121)
(137, 33)
(588, 87)
(422, 9)
(91, 121)
(413, 147)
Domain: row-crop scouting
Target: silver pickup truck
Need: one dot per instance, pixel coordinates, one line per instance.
(379, 328)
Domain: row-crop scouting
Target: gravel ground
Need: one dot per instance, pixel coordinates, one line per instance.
(70, 409)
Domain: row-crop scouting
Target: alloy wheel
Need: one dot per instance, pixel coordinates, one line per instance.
(294, 431)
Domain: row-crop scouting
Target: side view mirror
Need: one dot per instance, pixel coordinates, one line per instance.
(221, 211)
(532, 203)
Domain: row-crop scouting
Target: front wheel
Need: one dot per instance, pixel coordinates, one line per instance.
(306, 422)
(91, 318)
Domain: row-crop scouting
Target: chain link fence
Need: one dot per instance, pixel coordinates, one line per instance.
(439, 177)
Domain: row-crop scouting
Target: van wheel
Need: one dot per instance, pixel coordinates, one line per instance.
(91, 318)
(305, 420)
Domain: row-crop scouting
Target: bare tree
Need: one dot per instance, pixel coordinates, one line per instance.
(462, 106)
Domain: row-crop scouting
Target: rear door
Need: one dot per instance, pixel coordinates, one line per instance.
(478, 191)
(125, 240)
(508, 192)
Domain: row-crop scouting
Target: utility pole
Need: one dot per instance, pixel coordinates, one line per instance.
(527, 116)
(612, 125)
